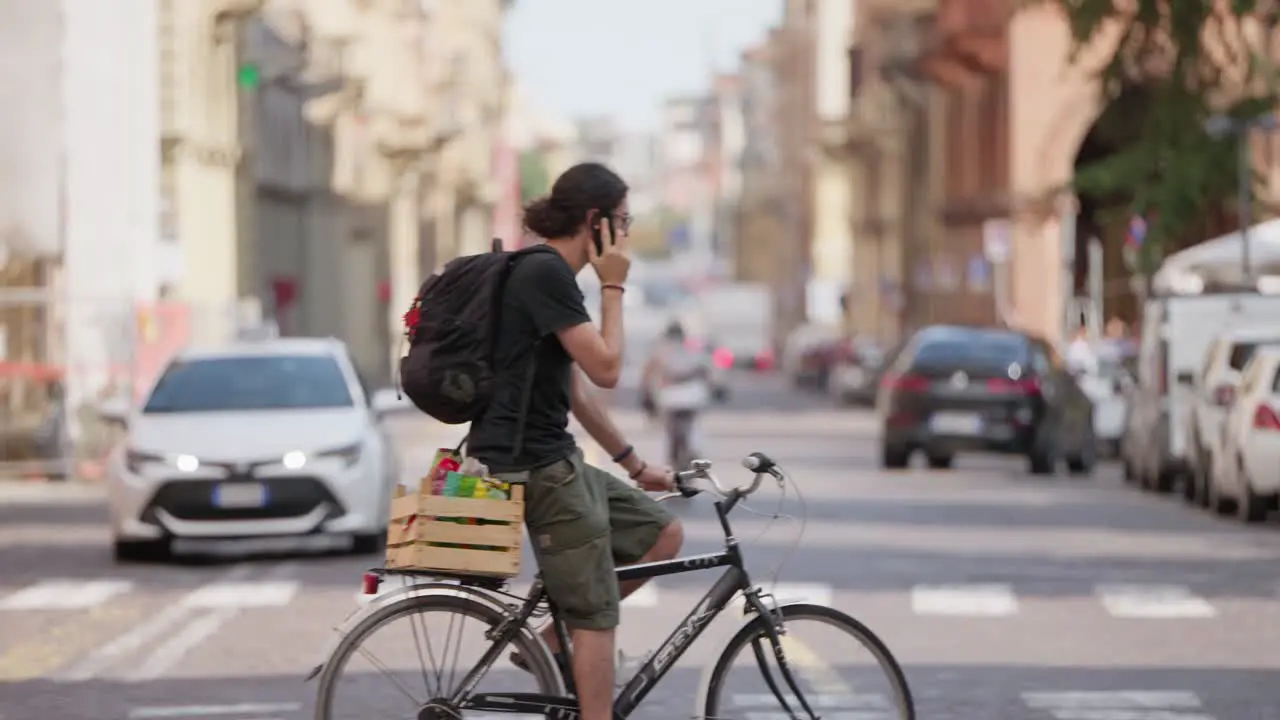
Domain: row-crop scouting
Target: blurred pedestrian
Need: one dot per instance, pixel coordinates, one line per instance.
(1081, 358)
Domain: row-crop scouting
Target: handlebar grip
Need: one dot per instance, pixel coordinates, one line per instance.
(758, 462)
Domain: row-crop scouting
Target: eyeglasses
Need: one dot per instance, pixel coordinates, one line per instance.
(622, 223)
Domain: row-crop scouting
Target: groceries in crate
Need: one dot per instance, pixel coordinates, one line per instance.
(464, 478)
(459, 521)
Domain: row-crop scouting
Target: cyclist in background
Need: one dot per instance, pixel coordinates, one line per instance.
(677, 379)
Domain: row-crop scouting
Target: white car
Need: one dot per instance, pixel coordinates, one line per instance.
(1246, 477)
(269, 440)
(1214, 388)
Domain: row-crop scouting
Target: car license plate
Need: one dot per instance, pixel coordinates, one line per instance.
(240, 495)
(948, 423)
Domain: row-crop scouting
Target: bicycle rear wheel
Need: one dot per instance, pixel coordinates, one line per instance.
(822, 647)
(398, 683)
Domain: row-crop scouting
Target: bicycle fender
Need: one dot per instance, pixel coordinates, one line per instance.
(366, 607)
(704, 684)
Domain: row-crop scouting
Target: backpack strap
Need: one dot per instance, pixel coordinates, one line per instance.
(526, 392)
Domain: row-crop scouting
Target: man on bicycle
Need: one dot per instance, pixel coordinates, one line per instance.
(582, 521)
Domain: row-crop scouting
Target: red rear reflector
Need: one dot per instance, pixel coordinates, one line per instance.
(1264, 418)
(907, 383)
(1026, 386)
(370, 583)
(722, 358)
(764, 361)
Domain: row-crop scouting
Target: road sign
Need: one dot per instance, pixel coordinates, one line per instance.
(997, 238)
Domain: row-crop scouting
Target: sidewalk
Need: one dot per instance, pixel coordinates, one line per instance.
(44, 492)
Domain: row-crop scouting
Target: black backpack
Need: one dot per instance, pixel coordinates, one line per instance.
(452, 328)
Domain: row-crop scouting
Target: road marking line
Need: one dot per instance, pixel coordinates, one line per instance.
(175, 711)
(224, 608)
(645, 596)
(991, 600)
(176, 648)
(1157, 602)
(817, 701)
(243, 594)
(1112, 700)
(139, 635)
(65, 594)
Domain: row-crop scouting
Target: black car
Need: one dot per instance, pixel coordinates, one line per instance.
(956, 389)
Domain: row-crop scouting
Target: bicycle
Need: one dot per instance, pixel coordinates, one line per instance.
(508, 624)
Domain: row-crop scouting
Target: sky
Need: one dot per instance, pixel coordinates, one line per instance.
(623, 57)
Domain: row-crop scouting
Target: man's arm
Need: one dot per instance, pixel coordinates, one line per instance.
(593, 416)
(598, 352)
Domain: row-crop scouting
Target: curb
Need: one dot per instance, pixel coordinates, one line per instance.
(18, 492)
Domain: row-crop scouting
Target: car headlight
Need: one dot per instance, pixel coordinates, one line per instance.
(349, 455)
(136, 460)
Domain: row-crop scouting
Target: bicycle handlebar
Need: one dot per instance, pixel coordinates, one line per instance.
(757, 462)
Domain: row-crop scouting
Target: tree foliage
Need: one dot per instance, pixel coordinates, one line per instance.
(1188, 58)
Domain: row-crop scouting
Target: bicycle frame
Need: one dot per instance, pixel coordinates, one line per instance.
(734, 580)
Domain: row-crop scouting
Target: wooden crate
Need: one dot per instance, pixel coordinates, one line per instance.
(415, 529)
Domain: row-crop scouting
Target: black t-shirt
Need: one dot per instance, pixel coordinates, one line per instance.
(542, 298)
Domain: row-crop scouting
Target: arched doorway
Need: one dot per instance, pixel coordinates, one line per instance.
(1105, 214)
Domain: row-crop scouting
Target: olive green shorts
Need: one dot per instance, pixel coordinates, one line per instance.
(582, 523)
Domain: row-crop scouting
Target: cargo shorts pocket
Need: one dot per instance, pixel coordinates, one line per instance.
(581, 582)
(563, 509)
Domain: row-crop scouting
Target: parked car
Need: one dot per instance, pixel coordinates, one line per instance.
(1246, 473)
(1176, 333)
(1214, 393)
(856, 374)
(957, 389)
(802, 352)
(253, 440)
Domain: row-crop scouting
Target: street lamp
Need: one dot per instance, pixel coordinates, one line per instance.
(1220, 126)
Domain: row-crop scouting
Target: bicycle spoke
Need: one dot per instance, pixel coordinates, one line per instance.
(449, 632)
(419, 641)
(382, 667)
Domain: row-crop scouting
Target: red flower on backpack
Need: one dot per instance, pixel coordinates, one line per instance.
(411, 318)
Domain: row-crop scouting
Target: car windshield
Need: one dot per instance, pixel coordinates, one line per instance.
(975, 352)
(269, 382)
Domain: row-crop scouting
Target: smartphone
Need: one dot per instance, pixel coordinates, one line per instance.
(595, 230)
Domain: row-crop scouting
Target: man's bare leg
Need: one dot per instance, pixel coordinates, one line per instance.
(593, 673)
(668, 544)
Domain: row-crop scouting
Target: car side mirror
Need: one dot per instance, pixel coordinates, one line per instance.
(387, 401)
(115, 410)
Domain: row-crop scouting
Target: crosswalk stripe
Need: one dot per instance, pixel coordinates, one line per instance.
(243, 594)
(1154, 602)
(65, 594)
(977, 600)
(1117, 705)
(139, 635)
(989, 600)
(1111, 699)
(154, 712)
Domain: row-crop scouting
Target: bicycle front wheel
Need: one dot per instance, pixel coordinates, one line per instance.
(414, 653)
(840, 667)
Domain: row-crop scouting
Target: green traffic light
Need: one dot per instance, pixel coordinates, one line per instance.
(249, 76)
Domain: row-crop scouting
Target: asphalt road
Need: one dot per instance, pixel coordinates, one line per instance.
(1003, 595)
